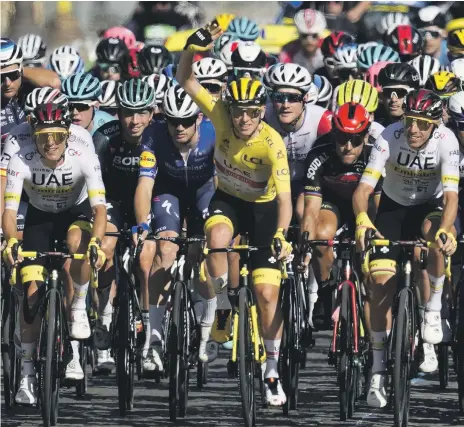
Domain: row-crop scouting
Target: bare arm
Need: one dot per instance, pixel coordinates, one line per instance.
(185, 75)
(361, 198)
(2, 188)
(312, 207)
(9, 224)
(99, 222)
(142, 198)
(284, 210)
(41, 77)
(450, 209)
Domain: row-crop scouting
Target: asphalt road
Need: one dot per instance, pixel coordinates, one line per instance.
(219, 403)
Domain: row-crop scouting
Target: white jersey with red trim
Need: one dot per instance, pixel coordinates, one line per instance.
(55, 190)
(21, 135)
(414, 177)
(317, 122)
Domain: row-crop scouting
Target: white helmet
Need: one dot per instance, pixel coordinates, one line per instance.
(107, 97)
(312, 96)
(289, 75)
(10, 53)
(44, 95)
(309, 21)
(178, 104)
(33, 47)
(456, 106)
(325, 90)
(425, 65)
(345, 57)
(160, 83)
(209, 69)
(66, 61)
(391, 20)
(225, 54)
(457, 68)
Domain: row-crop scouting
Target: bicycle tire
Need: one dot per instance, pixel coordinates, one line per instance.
(402, 358)
(246, 365)
(460, 345)
(81, 386)
(345, 365)
(443, 365)
(122, 353)
(202, 375)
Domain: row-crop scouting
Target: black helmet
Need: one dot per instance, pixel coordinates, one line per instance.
(151, 59)
(113, 51)
(399, 73)
(249, 55)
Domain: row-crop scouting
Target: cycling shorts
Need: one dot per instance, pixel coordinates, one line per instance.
(121, 214)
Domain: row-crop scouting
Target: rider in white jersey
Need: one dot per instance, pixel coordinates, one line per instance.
(419, 200)
(62, 179)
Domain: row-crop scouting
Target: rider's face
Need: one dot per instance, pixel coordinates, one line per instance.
(310, 42)
(349, 149)
(51, 142)
(246, 120)
(11, 80)
(418, 132)
(134, 122)
(183, 130)
(393, 99)
(81, 114)
(288, 109)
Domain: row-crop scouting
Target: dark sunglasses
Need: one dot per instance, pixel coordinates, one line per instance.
(431, 33)
(79, 107)
(312, 36)
(251, 112)
(112, 68)
(343, 138)
(11, 75)
(212, 87)
(398, 92)
(186, 122)
(282, 97)
(247, 72)
(346, 73)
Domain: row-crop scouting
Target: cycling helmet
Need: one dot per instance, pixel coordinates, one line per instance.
(222, 41)
(456, 107)
(312, 96)
(443, 83)
(372, 74)
(359, 92)
(160, 83)
(224, 20)
(406, 40)
(135, 94)
(455, 43)
(107, 98)
(245, 29)
(457, 68)
(309, 21)
(374, 54)
(363, 46)
(66, 61)
(50, 114)
(425, 66)
(351, 118)
(325, 90)
(430, 16)
(289, 76)
(112, 51)
(225, 55)
(345, 57)
(335, 40)
(170, 71)
(151, 59)
(399, 74)
(44, 95)
(249, 55)
(423, 103)
(178, 104)
(391, 20)
(122, 33)
(10, 53)
(81, 87)
(245, 92)
(33, 48)
(209, 69)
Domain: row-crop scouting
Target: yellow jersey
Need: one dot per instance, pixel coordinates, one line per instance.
(255, 170)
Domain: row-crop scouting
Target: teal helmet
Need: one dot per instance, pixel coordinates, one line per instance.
(81, 87)
(373, 54)
(245, 29)
(136, 94)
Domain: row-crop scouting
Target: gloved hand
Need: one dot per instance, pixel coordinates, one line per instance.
(7, 253)
(94, 242)
(449, 246)
(203, 39)
(286, 246)
(363, 223)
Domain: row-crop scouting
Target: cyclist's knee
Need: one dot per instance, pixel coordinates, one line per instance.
(108, 246)
(326, 230)
(267, 294)
(166, 253)
(218, 230)
(78, 236)
(382, 273)
(32, 277)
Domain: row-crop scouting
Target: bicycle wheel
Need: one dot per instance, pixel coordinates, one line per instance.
(345, 365)
(460, 345)
(81, 386)
(121, 340)
(443, 365)
(246, 354)
(402, 336)
(202, 374)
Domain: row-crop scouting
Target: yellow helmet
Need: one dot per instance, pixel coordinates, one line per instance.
(360, 92)
(246, 91)
(443, 83)
(456, 41)
(224, 20)
(455, 24)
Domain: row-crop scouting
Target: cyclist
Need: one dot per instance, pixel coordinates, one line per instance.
(160, 83)
(305, 51)
(421, 159)
(444, 84)
(425, 65)
(244, 29)
(390, 21)
(34, 50)
(248, 60)
(82, 91)
(332, 172)
(342, 65)
(184, 149)
(113, 59)
(126, 157)
(406, 40)
(51, 161)
(431, 23)
(325, 90)
(123, 33)
(66, 61)
(457, 68)
(212, 75)
(373, 54)
(396, 80)
(152, 59)
(253, 192)
(107, 98)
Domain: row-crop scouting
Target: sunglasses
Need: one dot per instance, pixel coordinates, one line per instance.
(396, 92)
(11, 75)
(282, 97)
(251, 73)
(186, 122)
(79, 107)
(343, 138)
(111, 68)
(346, 73)
(422, 124)
(312, 36)
(433, 34)
(212, 87)
(238, 112)
(42, 137)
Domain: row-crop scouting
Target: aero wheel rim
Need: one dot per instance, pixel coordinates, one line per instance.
(250, 366)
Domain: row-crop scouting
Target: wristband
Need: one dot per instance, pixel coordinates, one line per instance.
(96, 240)
(144, 225)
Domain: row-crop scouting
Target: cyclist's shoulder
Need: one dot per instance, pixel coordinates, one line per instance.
(101, 118)
(156, 135)
(207, 134)
(25, 155)
(80, 136)
(271, 137)
(392, 134)
(324, 150)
